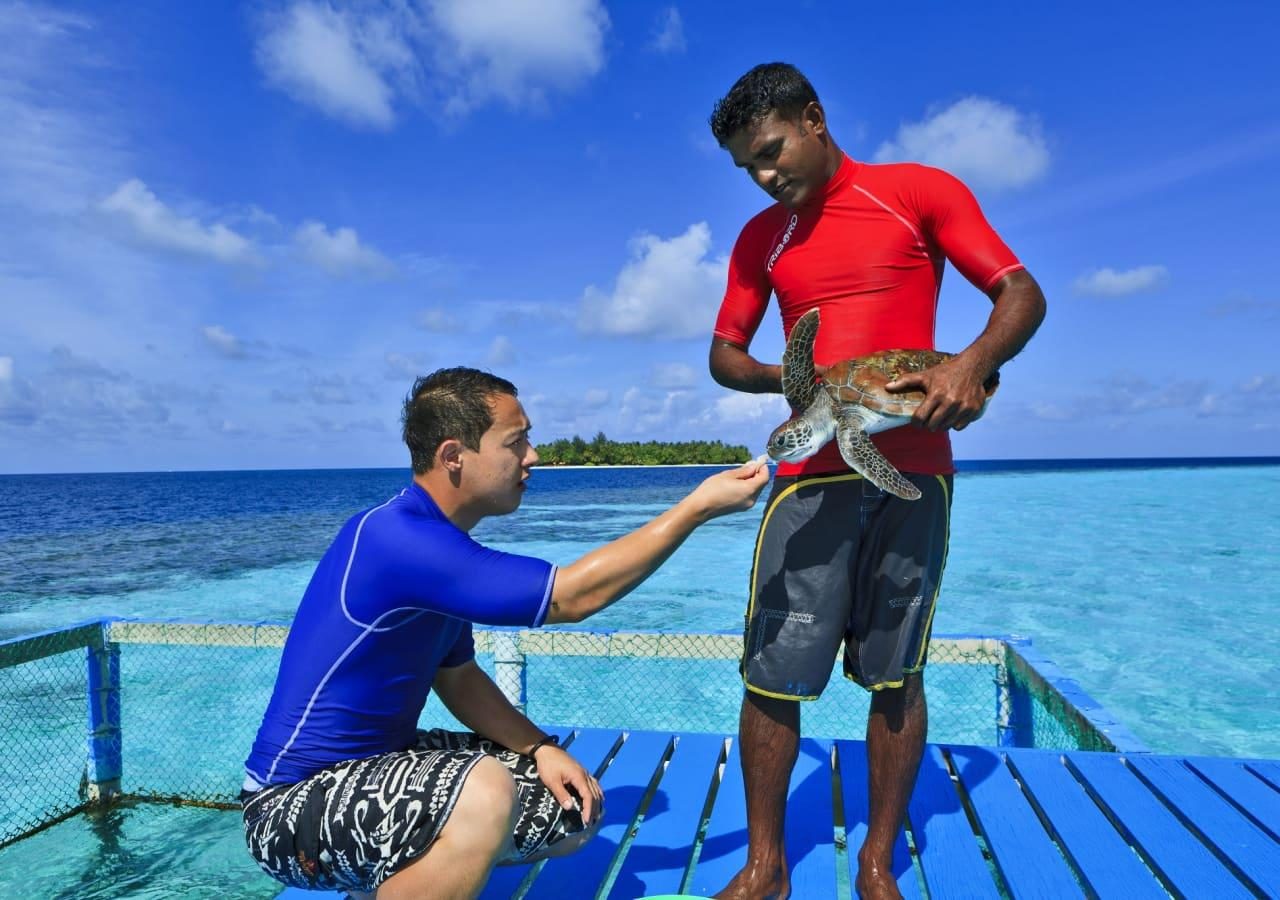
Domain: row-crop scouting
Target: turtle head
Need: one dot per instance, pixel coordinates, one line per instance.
(794, 440)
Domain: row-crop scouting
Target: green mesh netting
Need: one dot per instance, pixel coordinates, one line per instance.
(191, 697)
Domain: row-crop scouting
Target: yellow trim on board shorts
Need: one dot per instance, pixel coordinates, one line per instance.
(880, 685)
(763, 693)
(755, 564)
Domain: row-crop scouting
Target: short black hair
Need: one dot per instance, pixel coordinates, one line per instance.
(767, 88)
(449, 403)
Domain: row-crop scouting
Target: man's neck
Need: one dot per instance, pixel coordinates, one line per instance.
(446, 496)
(835, 156)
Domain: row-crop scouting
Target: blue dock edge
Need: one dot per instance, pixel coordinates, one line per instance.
(982, 822)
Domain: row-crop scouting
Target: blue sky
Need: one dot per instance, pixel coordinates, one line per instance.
(231, 234)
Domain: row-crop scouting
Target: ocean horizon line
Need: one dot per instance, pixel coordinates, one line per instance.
(1037, 464)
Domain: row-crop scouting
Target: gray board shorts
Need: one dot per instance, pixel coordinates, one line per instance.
(839, 560)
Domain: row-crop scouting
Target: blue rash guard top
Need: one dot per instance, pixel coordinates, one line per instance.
(391, 601)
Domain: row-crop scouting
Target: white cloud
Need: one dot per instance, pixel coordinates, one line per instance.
(1111, 283)
(737, 408)
(595, 398)
(358, 64)
(1268, 385)
(43, 143)
(501, 352)
(674, 375)
(1125, 396)
(223, 341)
(331, 389)
(986, 143)
(155, 224)
(405, 367)
(668, 34)
(669, 288)
(18, 406)
(320, 57)
(229, 428)
(644, 414)
(339, 251)
(515, 51)
(438, 321)
(77, 397)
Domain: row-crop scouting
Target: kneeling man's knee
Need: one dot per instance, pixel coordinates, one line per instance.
(488, 797)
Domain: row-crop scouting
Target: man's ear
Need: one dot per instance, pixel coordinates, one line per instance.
(449, 455)
(813, 117)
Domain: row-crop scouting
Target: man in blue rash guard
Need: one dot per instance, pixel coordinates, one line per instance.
(342, 791)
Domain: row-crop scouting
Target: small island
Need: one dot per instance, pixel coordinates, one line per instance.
(600, 451)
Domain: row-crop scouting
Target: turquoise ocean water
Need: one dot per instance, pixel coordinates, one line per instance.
(1157, 588)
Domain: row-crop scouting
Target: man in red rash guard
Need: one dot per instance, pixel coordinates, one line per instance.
(838, 560)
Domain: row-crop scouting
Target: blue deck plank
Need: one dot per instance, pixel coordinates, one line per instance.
(589, 747)
(1099, 853)
(1267, 770)
(658, 858)
(1181, 859)
(624, 783)
(1246, 790)
(1252, 853)
(1028, 859)
(810, 824)
(950, 858)
(724, 845)
(853, 787)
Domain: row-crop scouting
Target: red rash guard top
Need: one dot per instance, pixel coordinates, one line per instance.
(868, 250)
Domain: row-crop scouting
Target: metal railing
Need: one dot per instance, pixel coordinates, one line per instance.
(167, 710)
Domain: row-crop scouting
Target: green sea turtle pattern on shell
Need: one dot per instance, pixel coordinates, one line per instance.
(850, 403)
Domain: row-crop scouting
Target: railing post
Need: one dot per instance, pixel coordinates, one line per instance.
(508, 664)
(1015, 719)
(103, 761)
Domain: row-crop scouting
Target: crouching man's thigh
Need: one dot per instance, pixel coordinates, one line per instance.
(354, 825)
(543, 828)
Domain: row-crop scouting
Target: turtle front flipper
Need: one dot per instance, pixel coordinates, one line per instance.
(797, 362)
(863, 457)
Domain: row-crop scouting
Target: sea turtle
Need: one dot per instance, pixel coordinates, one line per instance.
(850, 403)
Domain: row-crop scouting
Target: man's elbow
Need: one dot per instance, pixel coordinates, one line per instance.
(563, 613)
(719, 363)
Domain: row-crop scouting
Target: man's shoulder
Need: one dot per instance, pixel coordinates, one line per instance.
(401, 524)
(907, 175)
(764, 223)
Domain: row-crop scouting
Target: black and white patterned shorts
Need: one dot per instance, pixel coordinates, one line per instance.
(353, 825)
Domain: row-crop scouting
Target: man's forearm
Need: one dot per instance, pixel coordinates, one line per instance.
(733, 367)
(610, 572)
(1018, 310)
(480, 705)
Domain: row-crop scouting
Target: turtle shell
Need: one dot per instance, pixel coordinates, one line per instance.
(861, 380)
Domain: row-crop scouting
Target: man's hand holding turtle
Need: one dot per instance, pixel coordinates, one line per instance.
(954, 394)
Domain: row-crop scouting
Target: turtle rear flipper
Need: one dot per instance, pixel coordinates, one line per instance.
(798, 372)
(863, 457)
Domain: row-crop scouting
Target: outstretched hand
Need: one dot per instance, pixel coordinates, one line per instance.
(733, 490)
(559, 772)
(953, 395)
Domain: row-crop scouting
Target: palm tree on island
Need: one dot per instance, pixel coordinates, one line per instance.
(600, 451)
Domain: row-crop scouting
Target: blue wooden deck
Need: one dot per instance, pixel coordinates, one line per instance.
(982, 823)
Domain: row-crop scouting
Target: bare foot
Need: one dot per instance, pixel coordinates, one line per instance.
(876, 883)
(758, 882)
